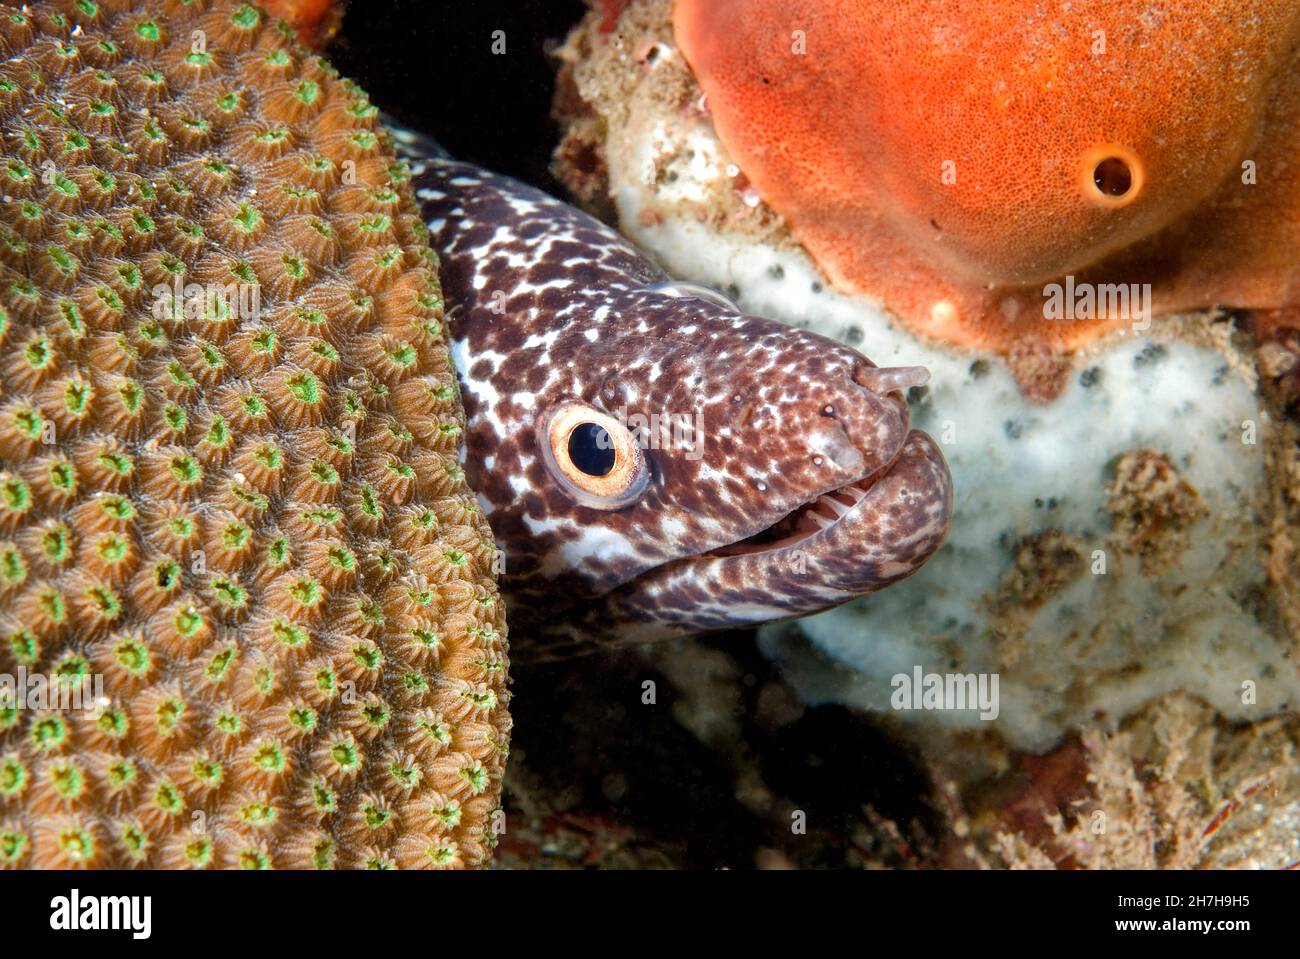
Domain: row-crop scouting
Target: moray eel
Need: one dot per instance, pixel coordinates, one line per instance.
(654, 462)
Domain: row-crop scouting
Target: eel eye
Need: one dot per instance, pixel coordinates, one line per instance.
(593, 457)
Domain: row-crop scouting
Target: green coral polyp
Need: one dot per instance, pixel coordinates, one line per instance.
(187, 622)
(425, 638)
(104, 602)
(49, 733)
(12, 846)
(257, 814)
(246, 218)
(220, 663)
(77, 844)
(436, 730)
(198, 853)
(76, 399)
(69, 189)
(323, 473)
(264, 680)
(376, 715)
(180, 376)
(376, 817)
(15, 495)
(448, 815)
(72, 669)
(370, 503)
(135, 841)
(13, 777)
(345, 756)
(113, 723)
(121, 774)
(235, 536)
(133, 656)
(168, 716)
(327, 682)
(169, 799)
(207, 772)
(24, 647)
(39, 354)
(12, 568)
(68, 780)
(111, 548)
(186, 470)
(269, 758)
(303, 718)
(218, 435)
(442, 855)
(476, 776)
(52, 605)
(248, 497)
(229, 594)
(181, 527)
(277, 552)
(289, 634)
(29, 423)
(228, 723)
(305, 388)
(342, 558)
(323, 798)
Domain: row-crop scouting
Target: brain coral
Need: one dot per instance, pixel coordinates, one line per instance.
(229, 433)
(952, 158)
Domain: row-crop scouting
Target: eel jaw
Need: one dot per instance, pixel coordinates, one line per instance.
(863, 535)
(843, 544)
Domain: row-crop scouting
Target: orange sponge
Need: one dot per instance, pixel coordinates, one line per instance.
(955, 157)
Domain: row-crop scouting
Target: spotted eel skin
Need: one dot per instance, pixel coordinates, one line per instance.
(806, 487)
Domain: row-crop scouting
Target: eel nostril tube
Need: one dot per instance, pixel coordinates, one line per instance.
(882, 380)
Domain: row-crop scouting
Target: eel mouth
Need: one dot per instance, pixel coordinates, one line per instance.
(848, 542)
(806, 521)
(918, 472)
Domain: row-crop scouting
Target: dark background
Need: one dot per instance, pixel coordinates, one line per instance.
(429, 64)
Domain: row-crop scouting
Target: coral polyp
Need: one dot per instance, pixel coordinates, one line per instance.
(224, 387)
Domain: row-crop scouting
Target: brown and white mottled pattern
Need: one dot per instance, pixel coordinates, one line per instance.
(808, 489)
